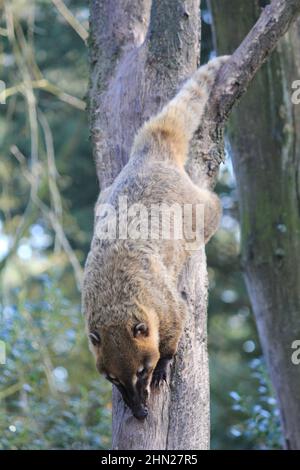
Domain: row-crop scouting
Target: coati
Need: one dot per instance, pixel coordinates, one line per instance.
(133, 309)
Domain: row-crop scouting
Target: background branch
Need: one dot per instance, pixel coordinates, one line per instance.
(71, 19)
(236, 76)
(264, 143)
(50, 216)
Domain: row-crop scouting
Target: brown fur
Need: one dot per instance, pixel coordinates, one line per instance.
(131, 282)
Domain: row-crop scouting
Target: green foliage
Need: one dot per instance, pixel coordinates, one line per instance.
(258, 417)
(44, 401)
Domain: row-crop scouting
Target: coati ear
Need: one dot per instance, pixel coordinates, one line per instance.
(95, 338)
(140, 329)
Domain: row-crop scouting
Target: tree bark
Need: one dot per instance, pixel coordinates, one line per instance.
(140, 52)
(264, 135)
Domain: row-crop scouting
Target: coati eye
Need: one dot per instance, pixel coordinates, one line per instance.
(142, 372)
(141, 329)
(95, 338)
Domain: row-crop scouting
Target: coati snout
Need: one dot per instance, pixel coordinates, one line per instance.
(127, 357)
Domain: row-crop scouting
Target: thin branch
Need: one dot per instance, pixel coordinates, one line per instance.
(250, 55)
(70, 18)
(52, 171)
(26, 220)
(27, 50)
(11, 390)
(28, 68)
(232, 82)
(64, 242)
(45, 85)
(19, 44)
(51, 217)
(55, 90)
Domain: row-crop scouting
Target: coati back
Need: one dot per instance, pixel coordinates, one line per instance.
(134, 312)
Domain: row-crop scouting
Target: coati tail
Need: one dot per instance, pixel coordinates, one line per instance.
(173, 128)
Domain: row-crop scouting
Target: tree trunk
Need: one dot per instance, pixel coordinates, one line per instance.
(132, 77)
(140, 51)
(264, 135)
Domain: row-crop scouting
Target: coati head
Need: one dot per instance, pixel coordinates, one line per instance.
(127, 355)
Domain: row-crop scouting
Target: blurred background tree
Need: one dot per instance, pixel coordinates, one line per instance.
(263, 137)
(50, 393)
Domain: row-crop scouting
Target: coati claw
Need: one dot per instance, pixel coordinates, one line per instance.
(160, 372)
(159, 376)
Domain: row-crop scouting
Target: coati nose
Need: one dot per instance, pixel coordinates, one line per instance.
(141, 413)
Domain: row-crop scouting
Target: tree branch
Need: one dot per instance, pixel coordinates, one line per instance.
(236, 75)
(266, 150)
(71, 19)
(251, 54)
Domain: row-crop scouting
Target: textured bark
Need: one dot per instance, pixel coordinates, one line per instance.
(140, 52)
(150, 61)
(264, 136)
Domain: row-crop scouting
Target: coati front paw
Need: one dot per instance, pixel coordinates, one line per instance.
(160, 373)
